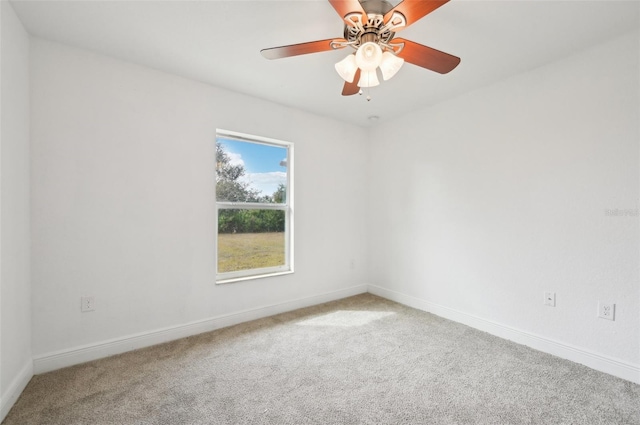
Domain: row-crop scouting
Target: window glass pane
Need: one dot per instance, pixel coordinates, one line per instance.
(254, 193)
(250, 239)
(250, 172)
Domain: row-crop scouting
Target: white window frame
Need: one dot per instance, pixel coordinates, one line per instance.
(287, 207)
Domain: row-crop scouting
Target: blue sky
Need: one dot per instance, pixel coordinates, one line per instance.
(261, 162)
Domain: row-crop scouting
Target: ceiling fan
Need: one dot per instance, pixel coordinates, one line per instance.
(370, 28)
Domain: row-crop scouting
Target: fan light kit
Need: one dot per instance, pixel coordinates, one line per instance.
(370, 27)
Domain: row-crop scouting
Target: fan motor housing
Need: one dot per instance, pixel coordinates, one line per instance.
(372, 29)
(376, 7)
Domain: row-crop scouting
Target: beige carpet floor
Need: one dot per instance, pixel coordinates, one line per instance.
(361, 360)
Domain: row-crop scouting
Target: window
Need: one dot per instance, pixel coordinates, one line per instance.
(254, 205)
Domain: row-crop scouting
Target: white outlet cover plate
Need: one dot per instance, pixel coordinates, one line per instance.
(87, 304)
(607, 310)
(550, 299)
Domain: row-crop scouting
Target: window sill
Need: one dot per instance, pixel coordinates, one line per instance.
(252, 277)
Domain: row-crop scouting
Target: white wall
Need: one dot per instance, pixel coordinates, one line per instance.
(484, 202)
(123, 199)
(15, 293)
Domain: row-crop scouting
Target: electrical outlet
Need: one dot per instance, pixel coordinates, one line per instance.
(87, 304)
(606, 310)
(550, 299)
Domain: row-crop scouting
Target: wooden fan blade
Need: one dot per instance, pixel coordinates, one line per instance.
(426, 57)
(413, 10)
(300, 49)
(352, 88)
(344, 7)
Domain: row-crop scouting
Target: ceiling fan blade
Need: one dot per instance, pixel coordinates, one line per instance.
(352, 88)
(301, 49)
(426, 57)
(344, 7)
(413, 10)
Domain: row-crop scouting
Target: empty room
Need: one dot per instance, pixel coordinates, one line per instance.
(319, 212)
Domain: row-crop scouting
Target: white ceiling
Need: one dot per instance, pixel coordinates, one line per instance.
(219, 42)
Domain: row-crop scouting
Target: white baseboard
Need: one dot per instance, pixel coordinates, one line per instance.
(600, 362)
(69, 357)
(10, 396)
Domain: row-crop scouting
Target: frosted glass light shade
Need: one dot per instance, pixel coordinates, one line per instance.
(347, 68)
(369, 56)
(390, 65)
(368, 79)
